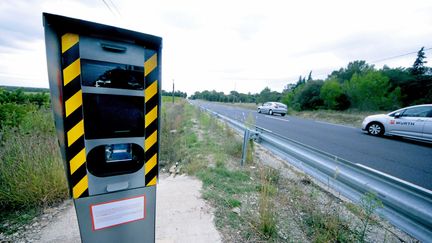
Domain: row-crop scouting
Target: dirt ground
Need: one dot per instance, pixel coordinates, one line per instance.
(181, 216)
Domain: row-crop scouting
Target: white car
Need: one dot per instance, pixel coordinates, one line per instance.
(273, 108)
(412, 122)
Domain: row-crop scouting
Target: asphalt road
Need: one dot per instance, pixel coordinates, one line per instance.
(405, 159)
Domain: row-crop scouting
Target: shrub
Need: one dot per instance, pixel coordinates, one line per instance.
(11, 115)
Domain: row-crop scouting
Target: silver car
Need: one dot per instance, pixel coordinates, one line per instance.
(412, 122)
(273, 108)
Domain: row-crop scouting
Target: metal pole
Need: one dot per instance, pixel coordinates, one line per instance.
(173, 93)
(244, 147)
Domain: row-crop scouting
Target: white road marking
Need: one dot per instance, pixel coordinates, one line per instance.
(328, 123)
(280, 119)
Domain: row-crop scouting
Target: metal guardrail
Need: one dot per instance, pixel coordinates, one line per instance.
(406, 205)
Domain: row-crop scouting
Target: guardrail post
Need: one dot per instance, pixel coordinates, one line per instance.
(244, 147)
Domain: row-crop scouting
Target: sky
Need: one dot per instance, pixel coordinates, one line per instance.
(224, 45)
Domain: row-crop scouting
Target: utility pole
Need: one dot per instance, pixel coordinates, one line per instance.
(173, 93)
(235, 87)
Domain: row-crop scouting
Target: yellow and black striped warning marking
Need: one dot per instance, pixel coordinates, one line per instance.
(151, 96)
(73, 117)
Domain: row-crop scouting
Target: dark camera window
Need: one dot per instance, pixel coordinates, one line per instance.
(112, 75)
(100, 165)
(113, 116)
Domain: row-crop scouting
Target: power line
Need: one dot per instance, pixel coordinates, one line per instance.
(116, 12)
(401, 55)
(115, 7)
(385, 59)
(106, 4)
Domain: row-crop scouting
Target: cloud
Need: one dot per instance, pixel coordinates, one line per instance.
(250, 25)
(19, 24)
(181, 20)
(371, 47)
(225, 44)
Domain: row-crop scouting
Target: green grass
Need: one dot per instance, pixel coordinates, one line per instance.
(266, 206)
(173, 125)
(224, 188)
(31, 171)
(167, 99)
(226, 181)
(213, 155)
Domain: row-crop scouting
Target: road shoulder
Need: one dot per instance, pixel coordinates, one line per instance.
(181, 216)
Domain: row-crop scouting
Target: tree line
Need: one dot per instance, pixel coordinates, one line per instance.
(176, 93)
(24, 89)
(15, 104)
(359, 85)
(20, 97)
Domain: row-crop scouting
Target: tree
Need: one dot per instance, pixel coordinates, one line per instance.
(38, 99)
(308, 96)
(371, 91)
(333, 96)
(3, 96)
(235, 96)
(310, 76)
(265, 95)
(289, 87)
(300, 82)
(345, 74)
(288, 98)
(408, 84)
(418, 66)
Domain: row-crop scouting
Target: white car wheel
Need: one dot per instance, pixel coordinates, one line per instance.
(375, 129)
